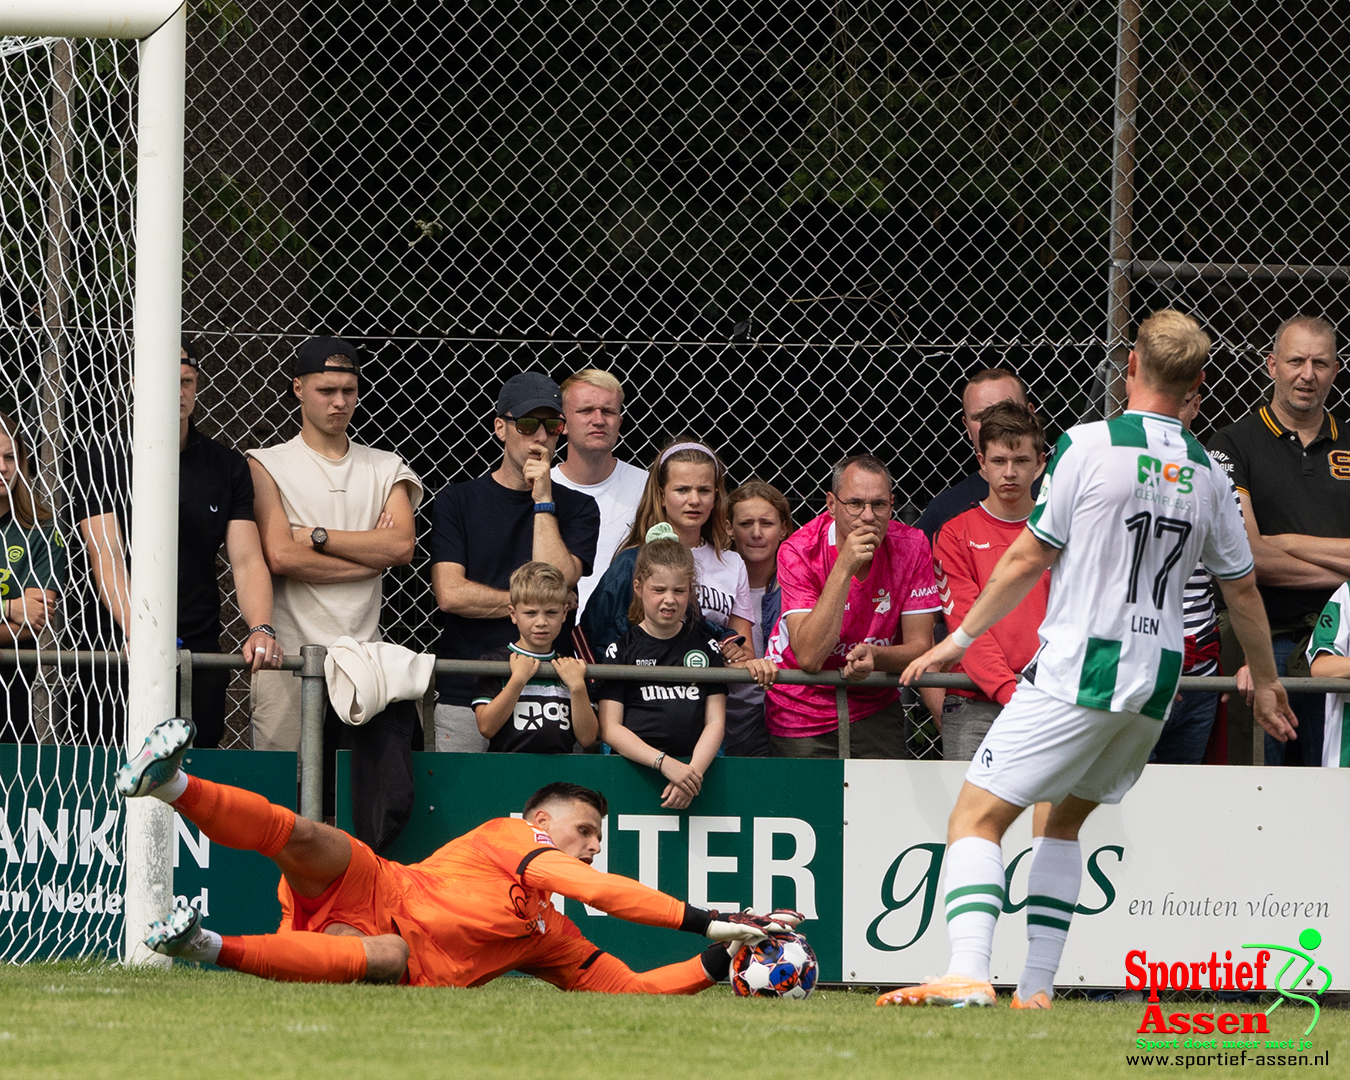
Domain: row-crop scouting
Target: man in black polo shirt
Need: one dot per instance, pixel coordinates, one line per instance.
(1290, 463)
(215, 506)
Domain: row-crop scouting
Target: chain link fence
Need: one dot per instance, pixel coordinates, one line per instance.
(792, 229)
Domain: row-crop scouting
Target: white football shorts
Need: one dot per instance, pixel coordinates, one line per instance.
(1041, 749)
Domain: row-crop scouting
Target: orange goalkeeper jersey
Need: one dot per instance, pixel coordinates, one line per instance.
(480, 906)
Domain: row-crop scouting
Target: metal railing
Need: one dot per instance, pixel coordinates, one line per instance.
(309, 667)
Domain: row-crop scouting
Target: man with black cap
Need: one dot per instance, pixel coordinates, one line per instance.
(484, 529)
(215, 507)
(333, 515)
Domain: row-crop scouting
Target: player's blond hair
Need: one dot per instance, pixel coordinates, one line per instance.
(670, 554)
(601, 380)
(538, 583)
(1172, 349)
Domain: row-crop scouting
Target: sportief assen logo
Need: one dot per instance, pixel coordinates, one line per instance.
(1250, 971)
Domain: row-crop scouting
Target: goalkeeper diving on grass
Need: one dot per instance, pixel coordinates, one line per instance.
(476, 909)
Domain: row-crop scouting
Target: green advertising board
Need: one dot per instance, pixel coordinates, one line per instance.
(761, 832)
(61, 851)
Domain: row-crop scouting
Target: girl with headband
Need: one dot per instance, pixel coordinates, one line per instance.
(686, 488)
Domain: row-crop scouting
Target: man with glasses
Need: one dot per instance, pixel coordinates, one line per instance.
(484, 529)
(858, 597)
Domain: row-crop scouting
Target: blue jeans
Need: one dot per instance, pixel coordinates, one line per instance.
(1186, 733)
(1310, 710)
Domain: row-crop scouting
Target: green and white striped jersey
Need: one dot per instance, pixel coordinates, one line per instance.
(1332, 635)
(1133, 503)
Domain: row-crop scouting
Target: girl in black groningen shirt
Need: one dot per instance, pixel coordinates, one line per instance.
(657, 723)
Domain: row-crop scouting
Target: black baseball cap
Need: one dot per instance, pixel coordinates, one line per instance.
(192, 360)
(523, 393)
(312, 357)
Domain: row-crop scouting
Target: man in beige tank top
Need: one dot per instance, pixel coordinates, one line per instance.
(333, 515)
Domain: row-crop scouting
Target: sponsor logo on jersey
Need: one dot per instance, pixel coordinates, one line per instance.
(923, 593)
(531, 715)
(543, 838)
(980, 547)
(644, 662)
(696, 658)
(1154, 473)
(846, 647)
(670, 693)
(612, 653)
(1338, 461)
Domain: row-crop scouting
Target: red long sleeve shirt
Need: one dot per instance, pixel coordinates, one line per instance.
(964, 555)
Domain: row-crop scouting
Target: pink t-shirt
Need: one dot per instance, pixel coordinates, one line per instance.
(900, 582)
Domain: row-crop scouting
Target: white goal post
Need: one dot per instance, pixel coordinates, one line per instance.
(161, 28)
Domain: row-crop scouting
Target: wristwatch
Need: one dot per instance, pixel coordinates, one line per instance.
(546, 508)
(318, 537)
(263, 628)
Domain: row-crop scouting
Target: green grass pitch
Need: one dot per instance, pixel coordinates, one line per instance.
(85, 1021)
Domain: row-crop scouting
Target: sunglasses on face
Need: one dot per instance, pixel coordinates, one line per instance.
(528, 425)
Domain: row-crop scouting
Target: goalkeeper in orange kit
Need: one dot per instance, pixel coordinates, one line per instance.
(476, 909)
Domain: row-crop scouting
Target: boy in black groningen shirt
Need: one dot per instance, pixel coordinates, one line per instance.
(522, 714)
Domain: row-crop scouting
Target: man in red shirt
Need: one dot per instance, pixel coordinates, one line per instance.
(476, 909)
(1012, 456)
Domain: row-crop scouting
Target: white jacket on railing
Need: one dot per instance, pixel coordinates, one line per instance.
(364, 677)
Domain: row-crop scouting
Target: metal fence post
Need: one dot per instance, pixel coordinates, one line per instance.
(313, 698)
(185, 683)
(845, 735)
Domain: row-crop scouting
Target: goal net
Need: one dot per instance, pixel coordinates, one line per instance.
(68, 155)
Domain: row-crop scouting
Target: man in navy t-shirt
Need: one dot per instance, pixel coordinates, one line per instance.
(483, 529)
(984, 389)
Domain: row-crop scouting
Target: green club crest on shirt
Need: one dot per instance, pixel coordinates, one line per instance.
(15, 553)
(696, 658)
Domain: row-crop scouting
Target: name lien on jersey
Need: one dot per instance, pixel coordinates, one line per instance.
(532, 715)
(670, 693)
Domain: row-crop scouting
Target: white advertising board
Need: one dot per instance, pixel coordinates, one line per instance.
(1196, 860)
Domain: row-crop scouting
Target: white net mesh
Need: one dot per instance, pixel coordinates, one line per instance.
(793, 229)
(67, 146)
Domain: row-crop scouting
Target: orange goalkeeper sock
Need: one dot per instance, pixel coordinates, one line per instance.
(236, 818)
(300, 956)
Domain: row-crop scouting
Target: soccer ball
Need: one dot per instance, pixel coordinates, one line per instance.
(780, 966)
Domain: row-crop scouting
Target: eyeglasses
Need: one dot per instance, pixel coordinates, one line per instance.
(528, 425)
(857, 506)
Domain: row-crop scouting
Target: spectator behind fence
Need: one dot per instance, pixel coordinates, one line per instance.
(858, 596)
(483, 529)
(982, 390)
(33, 575)
(1290, 463)
(1185, 735)
(522, 714)
(592, 405)
(969, 546)
(760, 521)
(658, 723)
(333, 515)
(215, 507)
(686, 488)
